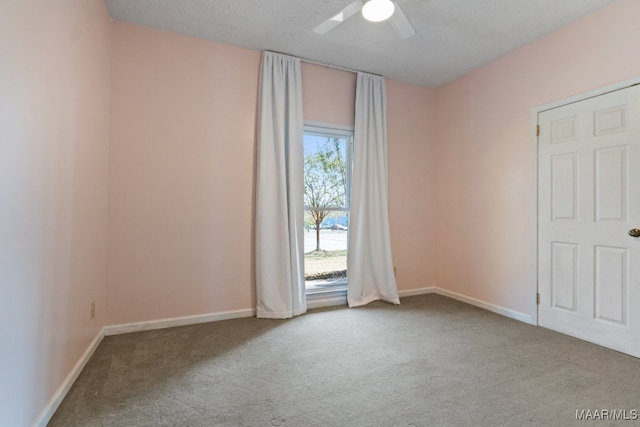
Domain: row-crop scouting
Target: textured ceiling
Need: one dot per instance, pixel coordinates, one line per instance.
(453, 36)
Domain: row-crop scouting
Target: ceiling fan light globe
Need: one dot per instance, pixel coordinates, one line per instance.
(378, 10)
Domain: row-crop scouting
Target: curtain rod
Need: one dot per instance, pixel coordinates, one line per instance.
(322, 64)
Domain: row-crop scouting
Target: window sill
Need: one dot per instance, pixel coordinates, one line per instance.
(326, 298)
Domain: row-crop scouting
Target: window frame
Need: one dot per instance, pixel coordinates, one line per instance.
(334, 131)
(337, 296)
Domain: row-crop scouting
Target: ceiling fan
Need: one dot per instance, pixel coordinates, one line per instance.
(372, 10)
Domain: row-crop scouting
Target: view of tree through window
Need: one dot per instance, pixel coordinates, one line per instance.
(326, 199)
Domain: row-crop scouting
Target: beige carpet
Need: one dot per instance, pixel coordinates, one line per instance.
(432, 361)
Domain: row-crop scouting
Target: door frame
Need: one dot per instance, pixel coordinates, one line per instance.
(535, 111)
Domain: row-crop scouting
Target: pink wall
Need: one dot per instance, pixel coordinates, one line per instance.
(182, 172)
(411, 143)
(484, 170)
(54, 133)
(181, 183)
(328, 95)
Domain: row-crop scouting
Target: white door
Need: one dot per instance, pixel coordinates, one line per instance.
(589, 200)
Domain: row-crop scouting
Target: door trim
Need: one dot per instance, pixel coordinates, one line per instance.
(534, 182)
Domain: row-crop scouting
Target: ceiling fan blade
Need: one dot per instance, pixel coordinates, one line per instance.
(401, 24)
(339, 18)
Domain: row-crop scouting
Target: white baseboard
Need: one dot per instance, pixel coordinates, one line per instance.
(61, 392)
(487, 306)
(176, 321)
(328, 301)
(418, 291)
(472, 301)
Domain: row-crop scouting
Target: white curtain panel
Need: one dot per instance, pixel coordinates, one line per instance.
(370, 266)
(279, 194)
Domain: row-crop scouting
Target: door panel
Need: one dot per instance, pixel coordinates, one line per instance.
(610, 176)
(564, 276)
(589, 199)
(564, 187)
(611, 284)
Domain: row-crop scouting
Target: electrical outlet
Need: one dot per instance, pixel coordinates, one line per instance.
(93, 309)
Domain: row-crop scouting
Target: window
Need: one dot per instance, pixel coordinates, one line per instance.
(327, 196)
